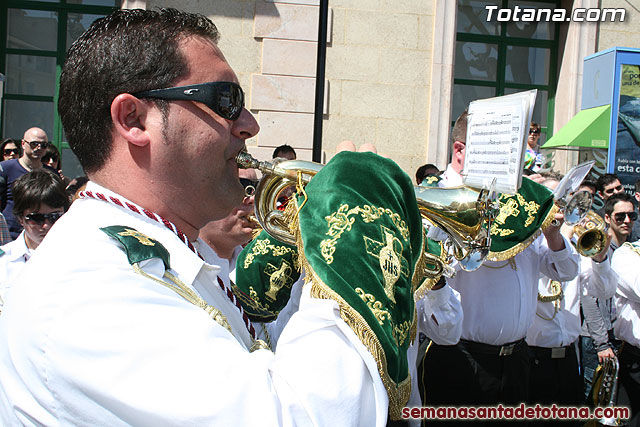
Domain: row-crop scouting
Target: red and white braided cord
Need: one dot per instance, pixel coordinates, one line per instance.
(171, 226)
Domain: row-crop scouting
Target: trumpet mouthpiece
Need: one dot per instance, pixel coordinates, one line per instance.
(247, 161)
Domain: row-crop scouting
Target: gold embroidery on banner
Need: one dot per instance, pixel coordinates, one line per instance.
(375, 306)
(516, 249)
(256, 302)
(431, 179)
(263, 247)
(398, 393)
(401, 331)
(531, 208)
(143, 239)
(392, 263)
(279, 277)
(340, 221)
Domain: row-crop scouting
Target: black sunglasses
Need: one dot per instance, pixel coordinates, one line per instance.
(39, 218)
(8, 151)
(612, 189)
(534, 131)
(225, 98)
(34, 144)
(619, 217)
(249, 186)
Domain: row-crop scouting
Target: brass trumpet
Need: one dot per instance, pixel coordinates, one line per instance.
(460, 212)
(591, 233)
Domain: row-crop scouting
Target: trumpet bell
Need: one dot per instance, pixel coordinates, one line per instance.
(591, 233)
(462, 213)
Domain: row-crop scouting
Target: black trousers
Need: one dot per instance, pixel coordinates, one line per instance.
(556, 380)
(473, 374)
(629, 381)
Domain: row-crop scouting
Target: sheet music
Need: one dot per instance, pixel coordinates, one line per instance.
(497, 131)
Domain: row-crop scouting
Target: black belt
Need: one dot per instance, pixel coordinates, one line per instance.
(551, 352)
(497, 350)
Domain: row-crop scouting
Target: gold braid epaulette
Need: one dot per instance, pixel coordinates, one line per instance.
(633, 247)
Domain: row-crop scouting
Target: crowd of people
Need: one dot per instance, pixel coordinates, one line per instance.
(134, 309)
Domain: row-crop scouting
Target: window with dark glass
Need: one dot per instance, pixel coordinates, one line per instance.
(498, 58)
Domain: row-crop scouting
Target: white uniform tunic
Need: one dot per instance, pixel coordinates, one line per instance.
(625, 263)
(84, 340)
(499, 299)
(595, 279)
(16, 254)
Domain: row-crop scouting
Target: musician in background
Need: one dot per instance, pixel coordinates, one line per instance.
(597, 338)
(490, 364)
(627, 327)
(552, 338)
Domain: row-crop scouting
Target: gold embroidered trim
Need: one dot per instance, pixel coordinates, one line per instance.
(263, 247)
(398, 393)
(515, 250)
(340, 221)
(255, 301)
(375, 306)
(632, 246)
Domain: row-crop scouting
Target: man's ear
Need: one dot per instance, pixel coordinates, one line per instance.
(458, 147)
(129, 115)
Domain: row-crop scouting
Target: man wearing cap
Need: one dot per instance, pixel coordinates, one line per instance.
(121, 318)
(490, 364)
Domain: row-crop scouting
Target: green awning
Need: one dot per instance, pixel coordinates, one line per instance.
(589, 128)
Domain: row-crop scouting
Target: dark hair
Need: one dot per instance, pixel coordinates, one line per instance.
(534, 125)
(459, 131)
(76, 184)
(589, 183)
(610, 204)
(283, 149)
(125, 52)
(637, 186)
(426, 170)
(552, 176)
(40, 186)
(8, 141)
(605, 180)
(51, 152)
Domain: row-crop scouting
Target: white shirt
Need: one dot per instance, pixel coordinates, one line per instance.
(16, 254)
(84, 340)
(499, 301)
(595, 279)
(625, 263)
(450, 178)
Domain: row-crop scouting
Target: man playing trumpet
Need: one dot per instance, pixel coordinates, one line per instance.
(490, 364)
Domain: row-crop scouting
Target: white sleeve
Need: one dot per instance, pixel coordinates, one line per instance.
(440, 315)
(559, 265)
(121, 351)
(625, 264)
(598, 278)
(275, 328)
